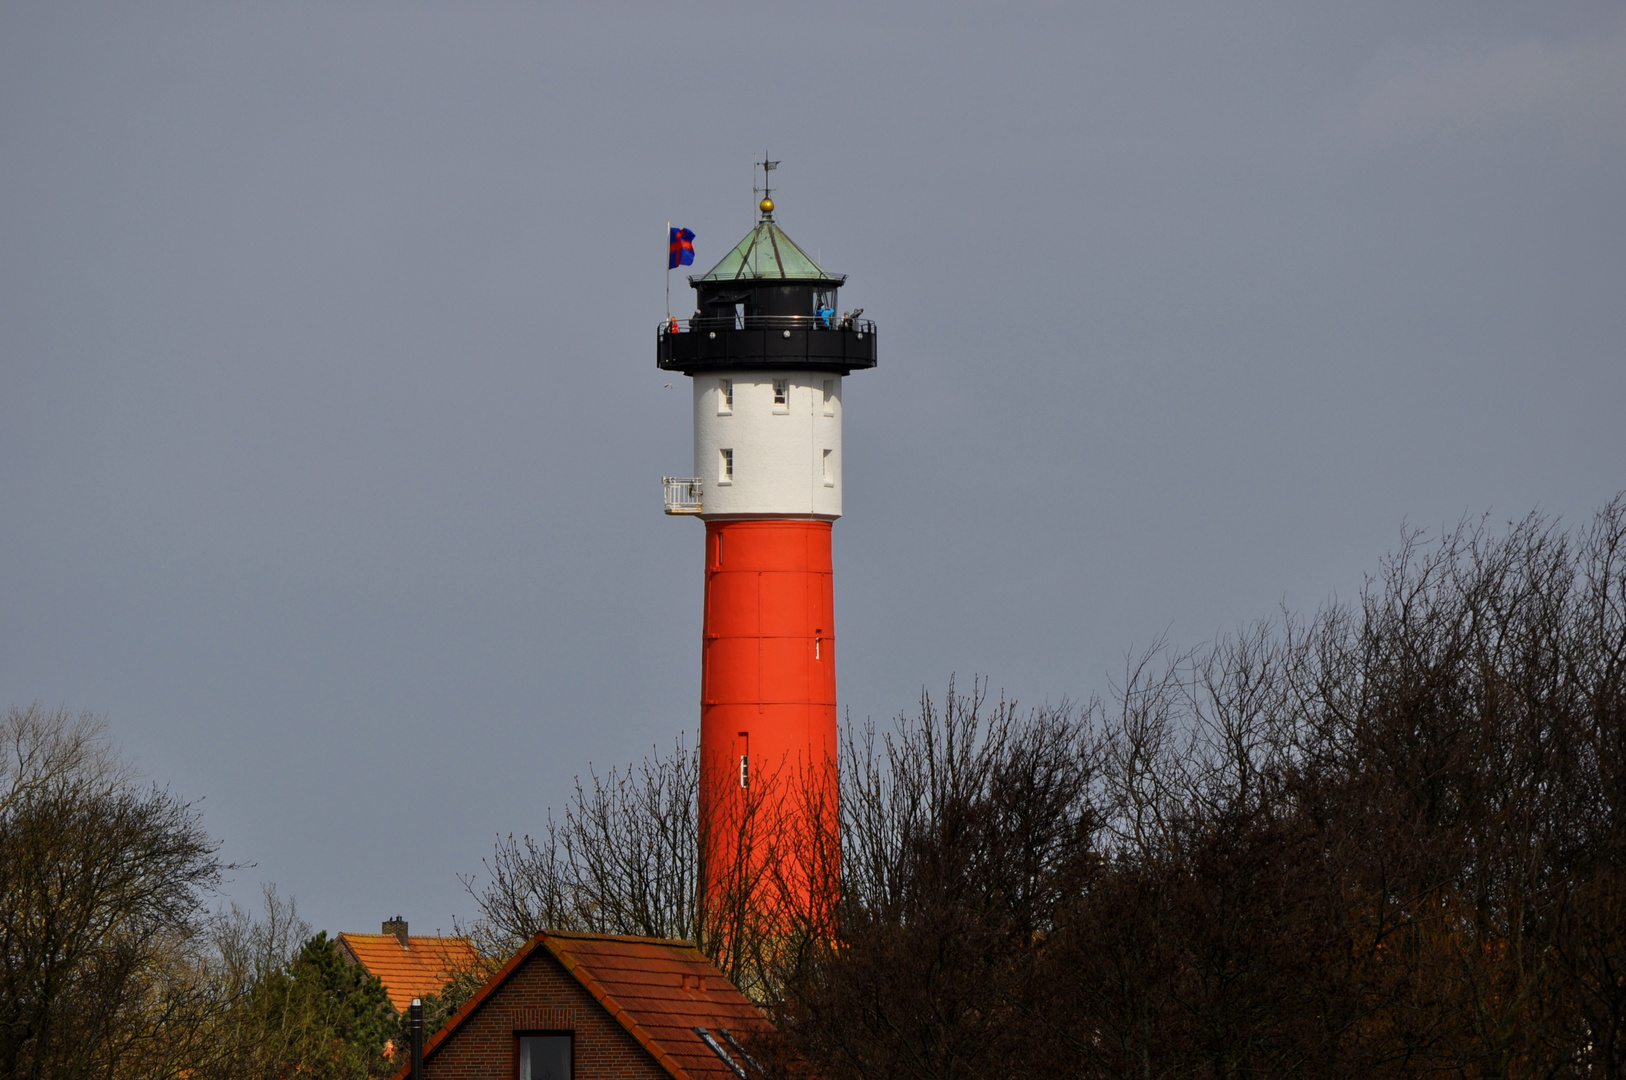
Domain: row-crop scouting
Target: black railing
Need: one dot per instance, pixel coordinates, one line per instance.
(766, 322)
(804, 342)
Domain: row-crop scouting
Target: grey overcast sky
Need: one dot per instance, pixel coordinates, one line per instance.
(330, 431)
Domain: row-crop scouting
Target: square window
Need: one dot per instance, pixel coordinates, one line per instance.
(725, 466)
(544, 1057)
(725, 395)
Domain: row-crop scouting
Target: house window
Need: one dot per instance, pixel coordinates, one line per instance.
(781, 395)
(829, 470)
(544, 1057)
(829, 397)
(725, 466)
(744, 747)
(725, 395)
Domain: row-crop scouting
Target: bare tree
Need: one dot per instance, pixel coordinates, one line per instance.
(624, 856)
(964, 827)
(247, 949)
(101, 885)
(620, 859)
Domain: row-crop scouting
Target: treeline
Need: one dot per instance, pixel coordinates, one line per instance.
(1384, 840)
(112, 963)
(1388, 839)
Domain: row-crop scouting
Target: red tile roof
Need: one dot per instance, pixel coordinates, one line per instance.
(659, 990)
(420, 968)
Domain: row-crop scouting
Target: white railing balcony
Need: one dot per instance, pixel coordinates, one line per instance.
(682, 494)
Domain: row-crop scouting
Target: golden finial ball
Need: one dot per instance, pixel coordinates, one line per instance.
(766, 206)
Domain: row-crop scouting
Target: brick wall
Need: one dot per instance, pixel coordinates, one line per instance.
(540, 997)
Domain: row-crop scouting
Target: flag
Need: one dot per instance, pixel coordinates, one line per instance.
(680, 248)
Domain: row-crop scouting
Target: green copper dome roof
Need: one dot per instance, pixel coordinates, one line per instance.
(766, 252)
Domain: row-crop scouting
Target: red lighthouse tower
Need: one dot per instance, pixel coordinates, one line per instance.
(767, 355)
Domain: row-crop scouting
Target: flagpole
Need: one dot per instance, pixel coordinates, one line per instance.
(668, 273)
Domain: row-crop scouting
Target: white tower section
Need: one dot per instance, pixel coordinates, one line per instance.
(768, 443)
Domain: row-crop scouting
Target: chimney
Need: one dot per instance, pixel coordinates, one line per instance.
(397, 927)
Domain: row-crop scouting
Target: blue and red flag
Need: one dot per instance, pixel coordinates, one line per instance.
(680, 249)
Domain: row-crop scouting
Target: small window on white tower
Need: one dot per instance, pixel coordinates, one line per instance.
(725, 466)
(781, 395)
(725, 395)
(829, 397)
(829, 470)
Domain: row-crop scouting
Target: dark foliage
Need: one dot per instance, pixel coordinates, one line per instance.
(965, 834)
(353, 1005)
(1389, 840)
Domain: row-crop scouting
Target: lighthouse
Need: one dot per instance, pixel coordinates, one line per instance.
(768, 355)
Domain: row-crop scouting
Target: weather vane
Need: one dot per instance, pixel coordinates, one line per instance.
(766, 205)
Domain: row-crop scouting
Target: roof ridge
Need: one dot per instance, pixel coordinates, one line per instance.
(594, 935)
(356, 934)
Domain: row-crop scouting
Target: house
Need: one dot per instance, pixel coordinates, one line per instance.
(579, 1006)
(409, 967)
